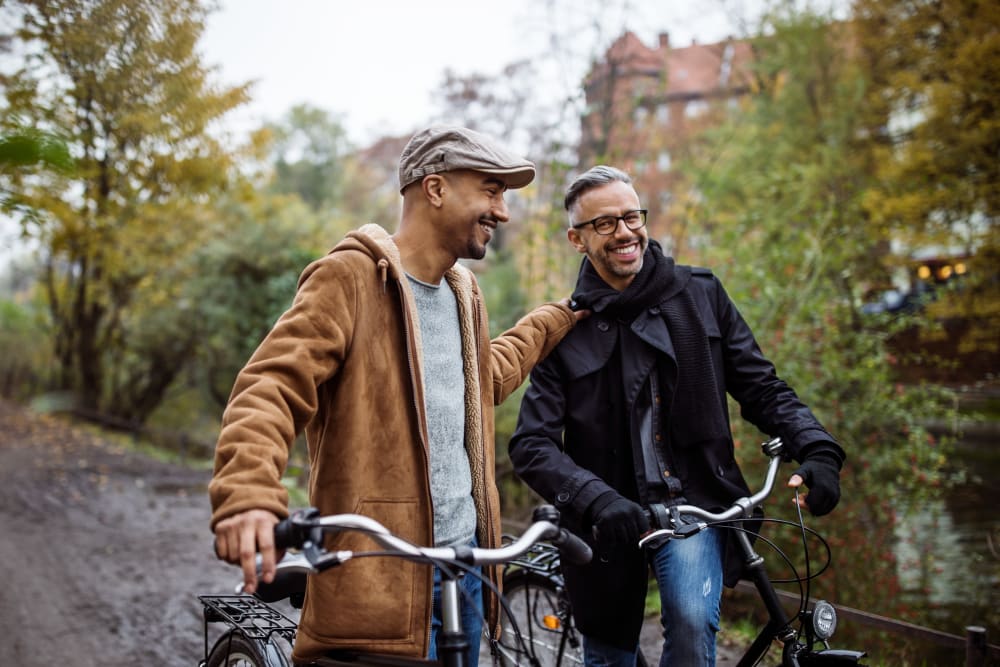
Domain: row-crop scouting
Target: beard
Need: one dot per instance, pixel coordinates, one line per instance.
(606, 260)
(475, 250)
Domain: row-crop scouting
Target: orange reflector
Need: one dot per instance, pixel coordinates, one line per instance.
(551, 622)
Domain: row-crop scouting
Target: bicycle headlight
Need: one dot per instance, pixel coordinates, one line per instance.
(824, 620)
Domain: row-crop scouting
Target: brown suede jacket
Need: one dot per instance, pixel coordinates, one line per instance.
(344, 364)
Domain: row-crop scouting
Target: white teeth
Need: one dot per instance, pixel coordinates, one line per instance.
(626, 250)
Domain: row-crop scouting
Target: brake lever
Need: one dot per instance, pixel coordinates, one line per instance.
(656, 536)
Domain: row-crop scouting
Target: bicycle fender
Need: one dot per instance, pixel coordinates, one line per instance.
(830, 657)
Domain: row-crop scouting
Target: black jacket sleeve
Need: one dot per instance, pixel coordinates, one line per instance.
(538, 456)
(766, 400)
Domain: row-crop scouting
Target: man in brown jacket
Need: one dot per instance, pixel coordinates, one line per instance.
(384, 359)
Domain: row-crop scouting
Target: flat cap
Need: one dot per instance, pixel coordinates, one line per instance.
(441, 148)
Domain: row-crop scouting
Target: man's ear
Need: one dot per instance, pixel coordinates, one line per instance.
(434, 187)
(574, 240)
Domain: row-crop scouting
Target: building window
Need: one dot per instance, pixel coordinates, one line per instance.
(695, 108)
(664, 199)
(640, 115)
(663, 161)
(662, 114)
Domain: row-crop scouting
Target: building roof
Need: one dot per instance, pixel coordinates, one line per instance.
(698, 69)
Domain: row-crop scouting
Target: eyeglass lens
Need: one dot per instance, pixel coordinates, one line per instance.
(609, 223)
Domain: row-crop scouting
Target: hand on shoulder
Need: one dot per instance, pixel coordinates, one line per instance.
(579, 313)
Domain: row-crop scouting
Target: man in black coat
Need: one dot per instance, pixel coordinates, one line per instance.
(630, 411)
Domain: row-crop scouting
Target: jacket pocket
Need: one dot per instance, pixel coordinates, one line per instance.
(371, 599)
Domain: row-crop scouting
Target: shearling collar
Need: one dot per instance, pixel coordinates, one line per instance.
(378, 243)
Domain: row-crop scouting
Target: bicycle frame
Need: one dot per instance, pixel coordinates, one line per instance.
(779, 624)
(795, 653)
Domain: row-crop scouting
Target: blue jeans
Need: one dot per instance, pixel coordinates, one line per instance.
(688, 573)
(471, 606)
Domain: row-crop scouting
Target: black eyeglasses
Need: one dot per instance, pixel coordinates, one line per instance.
(608, 224)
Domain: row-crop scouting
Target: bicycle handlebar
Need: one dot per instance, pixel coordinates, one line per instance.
(304, 530)
(742, 508)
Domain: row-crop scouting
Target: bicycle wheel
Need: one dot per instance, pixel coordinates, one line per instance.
(233, 649)
(541, 612)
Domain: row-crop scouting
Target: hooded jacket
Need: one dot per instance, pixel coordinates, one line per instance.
(578, 436)
(343, 363)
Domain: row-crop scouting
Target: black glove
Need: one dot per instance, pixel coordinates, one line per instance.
(821, 473)
(618, 522)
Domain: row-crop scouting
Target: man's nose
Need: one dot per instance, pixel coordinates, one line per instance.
(501, 212)
(621, 229)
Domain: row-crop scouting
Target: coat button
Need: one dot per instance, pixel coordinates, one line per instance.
(562, 498)
(722, 472)
(603, 326)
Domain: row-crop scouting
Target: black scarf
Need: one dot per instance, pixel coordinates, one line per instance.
(646, 290)
(695, 408)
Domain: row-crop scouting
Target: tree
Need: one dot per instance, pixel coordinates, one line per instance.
(782, 190)
(26, 148)
(933, 110)
(308, 150)
(122, 83)
(238, 285)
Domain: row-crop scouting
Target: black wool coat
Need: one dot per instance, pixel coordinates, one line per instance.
(570, 448)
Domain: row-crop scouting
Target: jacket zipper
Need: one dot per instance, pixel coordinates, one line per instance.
(478, 309)
(408, 327)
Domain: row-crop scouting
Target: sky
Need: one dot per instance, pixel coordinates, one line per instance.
(376, 63)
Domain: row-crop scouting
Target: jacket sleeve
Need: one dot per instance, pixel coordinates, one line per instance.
(276, 393)
(538, 456)
(516, 351)
(766, 400)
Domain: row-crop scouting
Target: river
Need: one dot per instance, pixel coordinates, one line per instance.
(948, 551)
(943, 569)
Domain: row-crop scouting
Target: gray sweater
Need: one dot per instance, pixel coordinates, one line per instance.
(444, 395)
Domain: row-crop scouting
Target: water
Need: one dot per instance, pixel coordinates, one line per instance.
(949, 550)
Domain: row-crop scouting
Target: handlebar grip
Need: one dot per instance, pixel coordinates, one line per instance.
(574, 550)
(286, 535)
(296, 530)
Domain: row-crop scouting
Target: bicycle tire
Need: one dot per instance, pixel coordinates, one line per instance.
(234, 649)
(542, 614)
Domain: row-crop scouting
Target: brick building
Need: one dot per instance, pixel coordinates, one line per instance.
(644, 105)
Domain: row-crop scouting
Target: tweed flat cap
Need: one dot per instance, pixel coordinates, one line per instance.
(442, 148)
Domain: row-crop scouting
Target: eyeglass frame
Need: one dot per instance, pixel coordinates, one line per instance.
(618, 218)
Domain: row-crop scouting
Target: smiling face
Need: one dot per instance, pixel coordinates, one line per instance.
(617, 257)
(475, 208)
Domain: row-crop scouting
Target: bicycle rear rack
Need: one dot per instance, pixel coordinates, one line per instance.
(255, 619)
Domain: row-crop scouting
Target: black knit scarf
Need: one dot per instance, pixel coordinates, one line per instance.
(696, 409)
(646, 290)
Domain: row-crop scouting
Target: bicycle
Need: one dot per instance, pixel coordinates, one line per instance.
(535, 588)
(257, 634)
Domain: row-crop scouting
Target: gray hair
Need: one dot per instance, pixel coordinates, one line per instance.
(592, 178)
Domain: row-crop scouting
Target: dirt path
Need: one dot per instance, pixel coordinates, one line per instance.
(105, 551)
